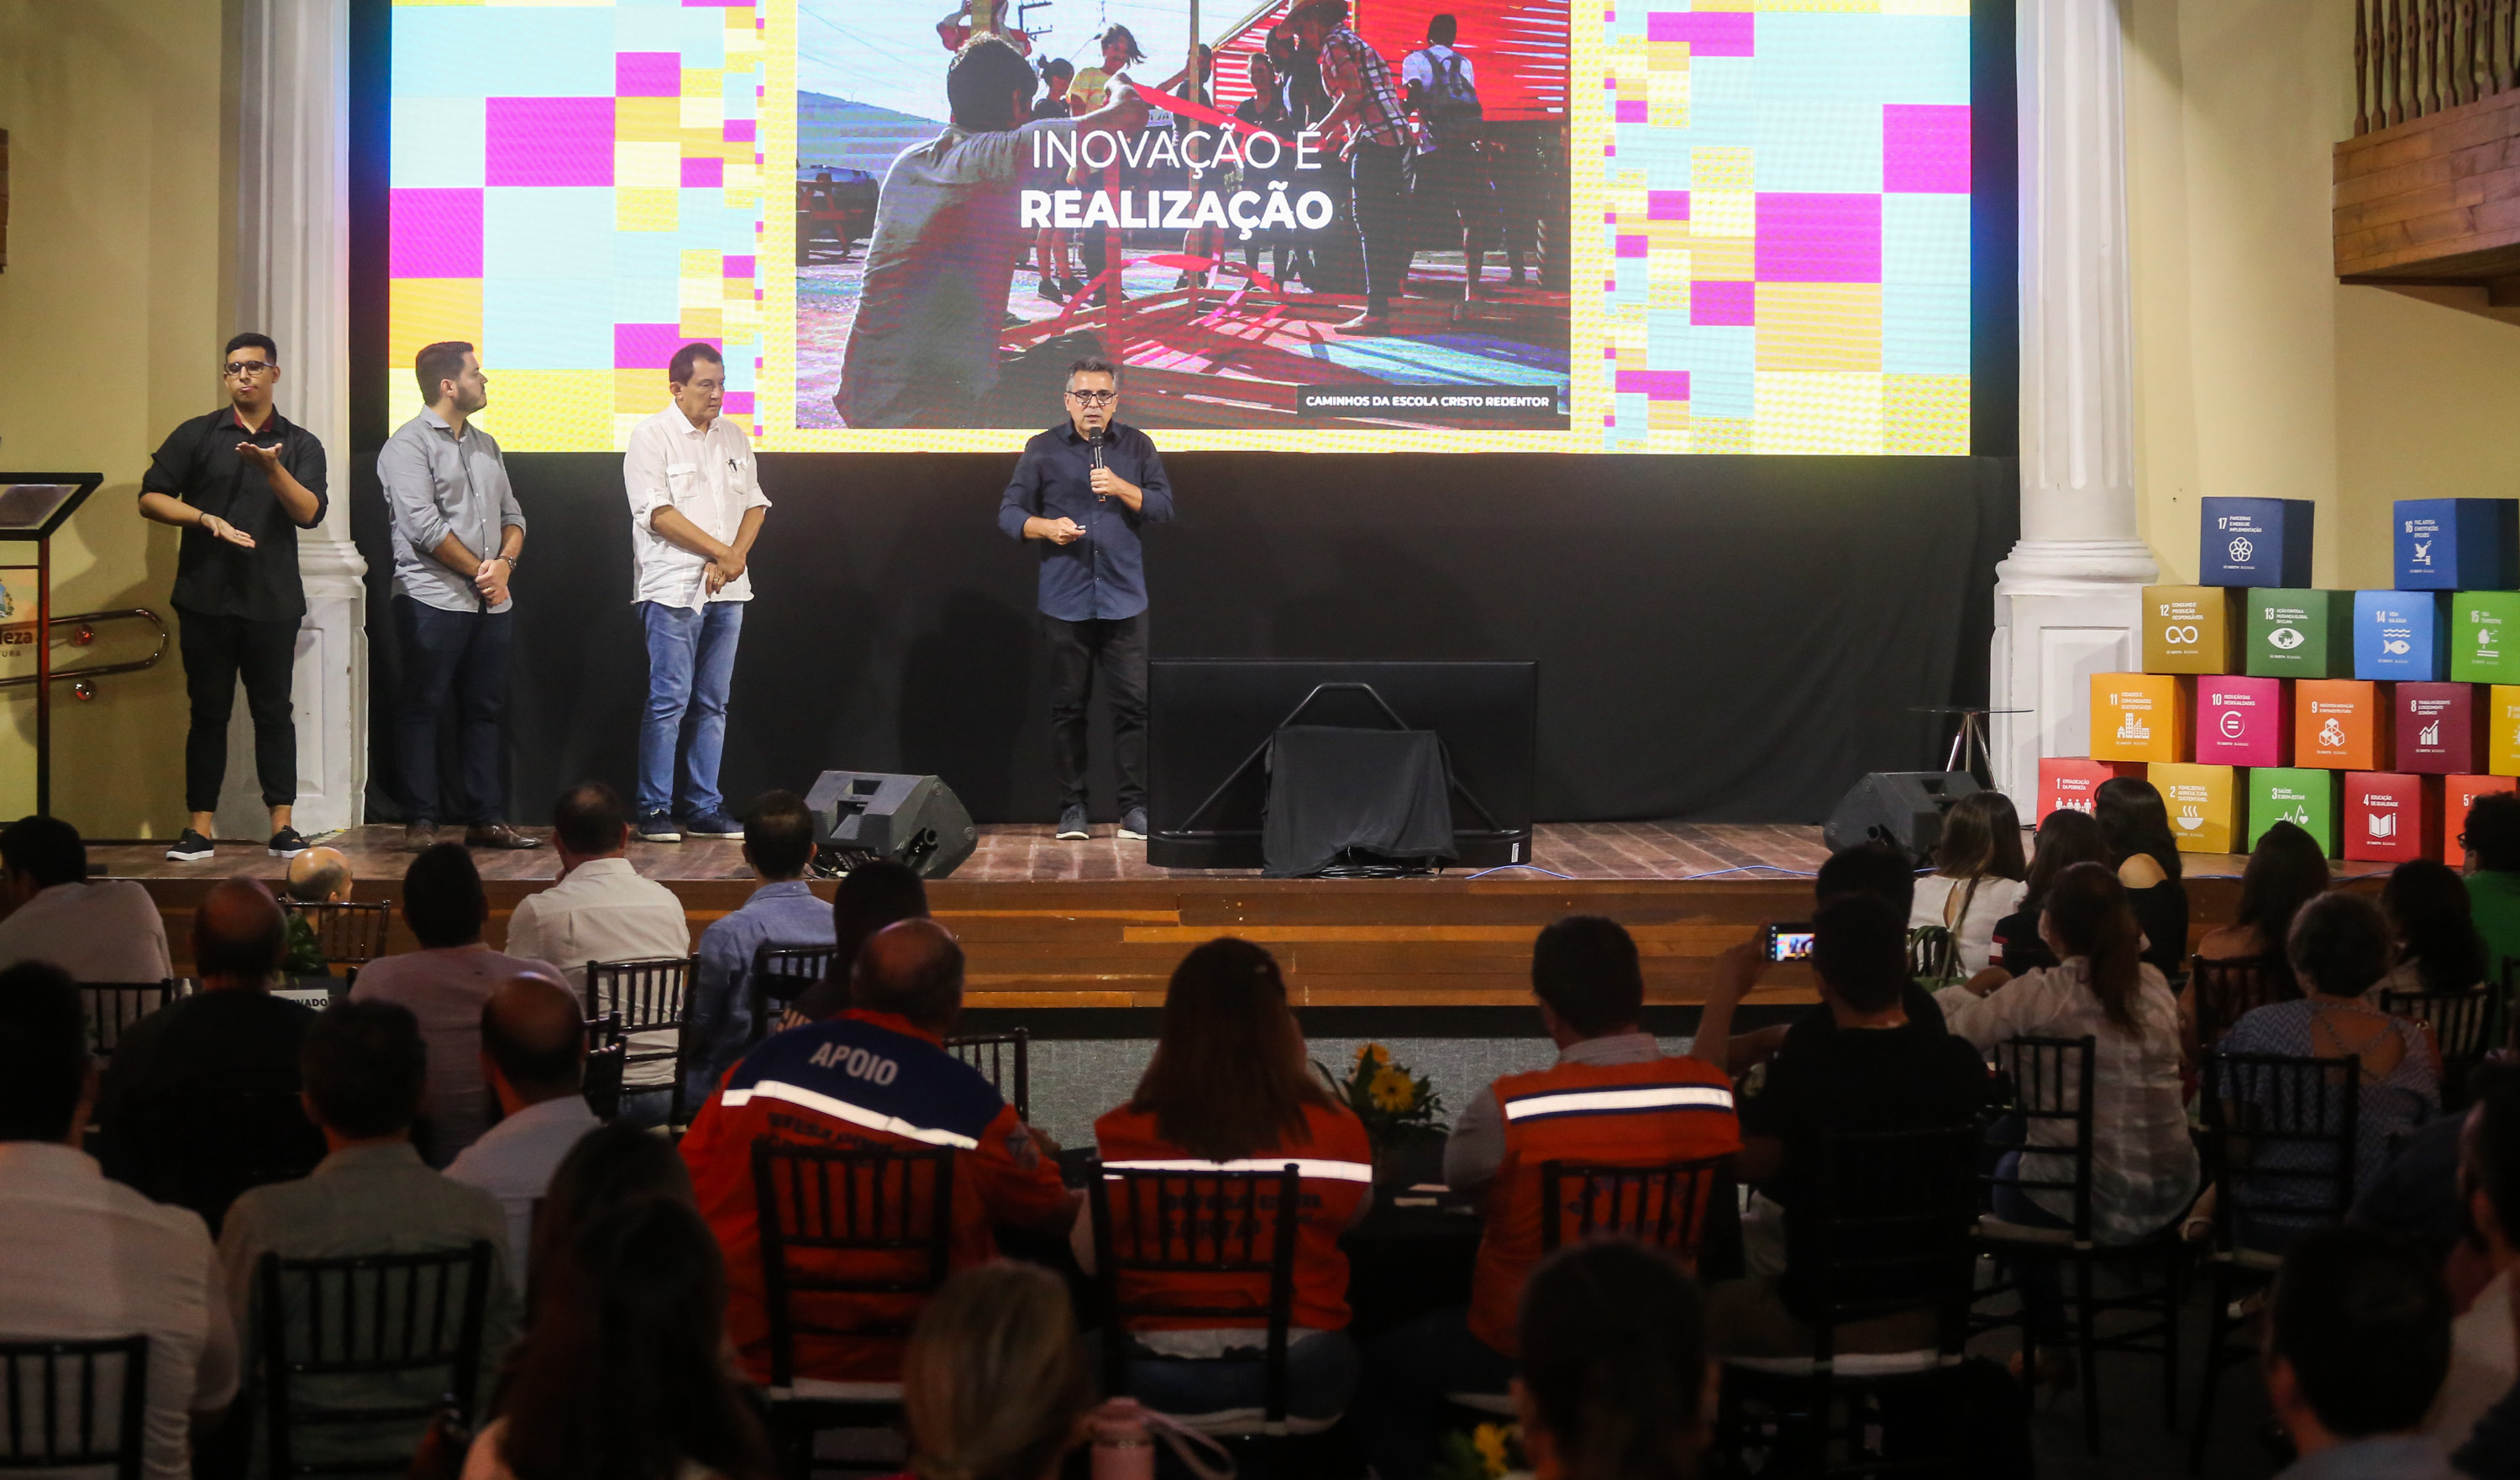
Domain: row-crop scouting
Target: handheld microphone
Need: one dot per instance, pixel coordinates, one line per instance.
(1095, 440)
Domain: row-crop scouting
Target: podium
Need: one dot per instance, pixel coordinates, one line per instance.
(33, 506)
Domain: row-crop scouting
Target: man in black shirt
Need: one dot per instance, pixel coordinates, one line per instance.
(240, 483)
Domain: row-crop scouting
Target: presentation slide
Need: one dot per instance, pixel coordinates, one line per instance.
(1738, 227)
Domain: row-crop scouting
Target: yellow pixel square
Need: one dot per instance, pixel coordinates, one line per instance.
(1722, 434)
(1817, 412)
(1926, 416)
(646, 120)
(1819, 326)
(1724, 212)
(646, 209)
(1720, 167)
(651, 167)
(1721, 260)
(425, 310)
(552, 410)
(640, 392)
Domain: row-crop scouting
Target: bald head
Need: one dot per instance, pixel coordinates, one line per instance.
(535, 1040)
(238, 934)
(319, 876)
(914, 968)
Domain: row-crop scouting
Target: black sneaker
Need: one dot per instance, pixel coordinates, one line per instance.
(657, 827)
(1071, 825)
(1133, 825)
(191, 848)
(286, 843)
(712, 825)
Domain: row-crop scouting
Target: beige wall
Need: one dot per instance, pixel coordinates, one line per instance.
(2255, 372)
(111, 320)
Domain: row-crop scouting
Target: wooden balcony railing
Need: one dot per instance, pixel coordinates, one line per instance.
(2413, 58)
(2428, 189)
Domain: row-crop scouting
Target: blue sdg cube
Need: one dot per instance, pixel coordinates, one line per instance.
(2457, 544)
(2255, 542)
(2401, 636)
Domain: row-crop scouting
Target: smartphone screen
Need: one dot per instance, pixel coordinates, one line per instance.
(1790, 942)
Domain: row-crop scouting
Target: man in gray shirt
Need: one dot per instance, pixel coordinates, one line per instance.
(457, 533)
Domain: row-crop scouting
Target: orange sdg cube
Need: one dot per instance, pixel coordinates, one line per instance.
(2138, 717)
(2336, 724)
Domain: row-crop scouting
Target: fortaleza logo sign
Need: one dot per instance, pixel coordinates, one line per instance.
(1246, 212)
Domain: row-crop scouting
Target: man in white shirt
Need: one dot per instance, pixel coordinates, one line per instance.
(1448, 185)
(533, 1052)
(695, 508)
(90, 1258)
(601, 910)
(104, 931)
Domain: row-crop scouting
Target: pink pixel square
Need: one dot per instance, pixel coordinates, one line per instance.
(1926, 147)
(647, 74)
(742, 131)
(739, 403)
(736, 267)
(1723, 303)
(1653, 384)
(1709, 33)
(1666, 205)
(548, 141)
(703, 175)
(650, 346)
(1633, 246)
(436, 234)
(1814, 237)
(1630, 111)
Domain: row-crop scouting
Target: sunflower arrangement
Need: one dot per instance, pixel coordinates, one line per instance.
(1393, 1103)
(1489, 1452)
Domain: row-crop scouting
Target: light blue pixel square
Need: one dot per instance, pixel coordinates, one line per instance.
(501, 51)
(538, 231)
(559, 323)
(1723, 96)
(1914, 58)
(437, 143)
(1721, 360)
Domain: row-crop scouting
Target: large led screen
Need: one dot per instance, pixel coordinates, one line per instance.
(1741, 226)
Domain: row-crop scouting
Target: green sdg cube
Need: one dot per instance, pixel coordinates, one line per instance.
(2299, 634)
(2307, 800)
(2485, 636)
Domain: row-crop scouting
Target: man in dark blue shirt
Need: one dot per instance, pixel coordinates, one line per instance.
(1083, 489)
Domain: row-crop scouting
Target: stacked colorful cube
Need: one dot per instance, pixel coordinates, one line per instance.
(2372, 718)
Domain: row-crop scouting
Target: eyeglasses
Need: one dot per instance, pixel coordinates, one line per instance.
(246, 367)
(1094, 397)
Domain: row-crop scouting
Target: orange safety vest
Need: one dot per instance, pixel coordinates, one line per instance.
(1624, 1114)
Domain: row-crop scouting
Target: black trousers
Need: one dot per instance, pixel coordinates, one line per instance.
(217, 650)
(458, 662)
(1379, 173)
(1117, 645)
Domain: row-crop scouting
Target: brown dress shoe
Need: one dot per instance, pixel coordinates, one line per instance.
(497, 835)
(418, 835)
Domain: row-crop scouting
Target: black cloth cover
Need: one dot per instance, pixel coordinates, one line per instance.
(1331, 788)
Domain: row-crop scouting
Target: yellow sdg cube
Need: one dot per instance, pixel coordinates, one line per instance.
(2191, 629)
(2204, 806)
(2502, 730)
(2139, 717)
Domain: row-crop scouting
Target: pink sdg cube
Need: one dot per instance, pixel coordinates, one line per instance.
(2242, 721)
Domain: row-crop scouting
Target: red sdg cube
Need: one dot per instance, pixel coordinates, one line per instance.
(2441, 729)
(2391, 817)
(2458, 794)
(2068, 782)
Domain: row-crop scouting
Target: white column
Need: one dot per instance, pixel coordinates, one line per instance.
(2067, 601)
(293, 277)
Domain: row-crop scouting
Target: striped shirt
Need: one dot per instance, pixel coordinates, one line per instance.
(1353, 69)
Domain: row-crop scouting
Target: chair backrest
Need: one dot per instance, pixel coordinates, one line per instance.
(2461, 1024)
(350, 932)
(1664, 1206)
(2225, 991)
(1887, 1229)
(1932, 950)
(74, 1405)
(114, 1006)
(2280, 1134)
(1196, 1224)
(874, 1225)
(642, 995)
(337, 1334)
(2047, 1081)
(606, 1058)
(780, 973)
(233, 1140)
(1005, 1058)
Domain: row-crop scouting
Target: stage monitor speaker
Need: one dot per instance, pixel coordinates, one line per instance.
(913, 820)
(1901, 807)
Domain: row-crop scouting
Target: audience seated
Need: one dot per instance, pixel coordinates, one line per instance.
(2358, 1339)
(100, 930)
(1230, 1086)
(2146, 854)
(609, 1167)
(778, 847)
(2066, 839)
(316, 876)
(2434, 927)
(1617, 1384)
(870, 897)
(88, 1258)
(2339, 948)
(625, 1374)
(174, 1067)
(365, 1069)
(2492, 838)
(533, 1053)
(445, 983)
(2482, 1362)
(602, 910)
(907, 1093)
(993, 1384)
(1878, 1072)
(1877, 869)
(2286, 870)
(1978, 877)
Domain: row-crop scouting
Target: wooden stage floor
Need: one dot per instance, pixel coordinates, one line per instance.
(1050, 925)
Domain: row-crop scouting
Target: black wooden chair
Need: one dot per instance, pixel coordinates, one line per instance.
(1932, 950)
(2049, 1081)
(2280, 1143)
(646, 1000)
(2225, 991)
(853, 1244)
(358, 1355)
(1201, 1224)
(779, 975)
(1005, 1058)
(112, 1007)
(607, 1054)
(349, 932)
(1884, 1234)
(2461, 1024)
(75, 1406)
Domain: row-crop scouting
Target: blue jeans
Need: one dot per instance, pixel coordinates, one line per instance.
(1320, 1379)
(460, 656)
(691, 662)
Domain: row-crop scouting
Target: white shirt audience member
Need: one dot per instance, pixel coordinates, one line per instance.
(104, 930)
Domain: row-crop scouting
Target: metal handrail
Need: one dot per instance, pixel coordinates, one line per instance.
(86, 623)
